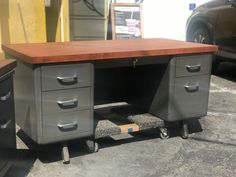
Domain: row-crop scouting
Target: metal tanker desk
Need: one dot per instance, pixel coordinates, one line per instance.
(93, 89)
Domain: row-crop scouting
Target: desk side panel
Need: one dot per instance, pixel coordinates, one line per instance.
(28, 99)
(160, 105)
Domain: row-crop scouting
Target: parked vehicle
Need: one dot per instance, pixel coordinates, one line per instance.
(215, 23)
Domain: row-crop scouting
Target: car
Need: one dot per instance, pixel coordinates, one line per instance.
(215, 23)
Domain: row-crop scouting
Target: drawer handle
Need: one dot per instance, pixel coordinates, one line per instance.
(68, 127)
(192, 88)
(5, 97)
(68, 80)
(193, 68)
(68, 103)
(5, 125)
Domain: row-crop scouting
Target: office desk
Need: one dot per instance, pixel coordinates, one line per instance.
(58, 85)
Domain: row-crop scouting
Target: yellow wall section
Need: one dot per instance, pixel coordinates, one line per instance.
(1, 54)
(66, 18)
(57, 21)
(22, 21)
(53, 21)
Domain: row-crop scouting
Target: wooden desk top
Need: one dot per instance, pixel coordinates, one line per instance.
(44, 53)
(6, 66)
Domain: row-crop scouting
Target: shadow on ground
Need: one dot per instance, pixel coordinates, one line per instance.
(22, 164)
(227, 70)
(52, 152)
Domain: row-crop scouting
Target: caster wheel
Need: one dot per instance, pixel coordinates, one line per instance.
(164, 134)
(96, 148)
(184, 131)
(92, 146)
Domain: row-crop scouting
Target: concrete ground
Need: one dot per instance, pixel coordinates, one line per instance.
(209, 151)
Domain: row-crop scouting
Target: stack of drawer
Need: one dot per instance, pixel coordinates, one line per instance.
(67, 101)
(184, 89)
(7, 115)
(191, 88)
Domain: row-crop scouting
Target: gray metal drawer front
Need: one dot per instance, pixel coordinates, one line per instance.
(66, 100)
(193, 65)
(79, 8)
(64, 124)
(86, 38)
(7, 123)
(87, 28)
(6, 94)
(190, 97)
(66, 76)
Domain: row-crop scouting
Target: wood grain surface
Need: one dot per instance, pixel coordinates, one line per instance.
(6, 66)
(43, 53)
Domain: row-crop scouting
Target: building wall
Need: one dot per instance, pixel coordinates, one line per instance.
(167, 18)
(29, 21)
(57, 21)
(22, 21)
(65, 20)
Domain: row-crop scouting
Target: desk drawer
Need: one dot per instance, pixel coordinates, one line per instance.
(7, 136)
(7, 122)
(193, 65)
(84, 27)
(190, 97)
(6, 95)
(66, 100)
(65, 124)
(80, 8)
(66, 76)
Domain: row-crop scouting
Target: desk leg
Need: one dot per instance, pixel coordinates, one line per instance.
(65, 154)
(184, 129)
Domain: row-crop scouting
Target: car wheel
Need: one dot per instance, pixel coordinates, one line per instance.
(203, 36)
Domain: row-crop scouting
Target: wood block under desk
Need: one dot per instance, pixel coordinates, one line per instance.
(128, 128)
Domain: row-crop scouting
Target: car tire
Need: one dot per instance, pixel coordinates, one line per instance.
(202, 35)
